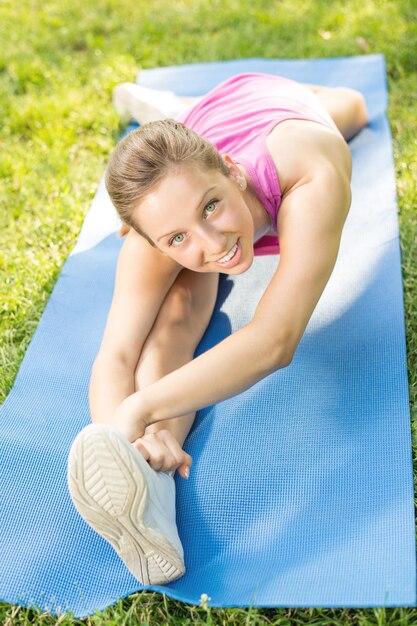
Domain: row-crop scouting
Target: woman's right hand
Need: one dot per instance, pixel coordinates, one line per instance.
(163, 452)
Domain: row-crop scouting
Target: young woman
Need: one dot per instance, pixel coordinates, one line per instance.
(259, 165)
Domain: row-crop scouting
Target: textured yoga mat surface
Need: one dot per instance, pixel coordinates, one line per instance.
(301, 490)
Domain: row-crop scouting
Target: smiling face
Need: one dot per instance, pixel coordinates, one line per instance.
(197, 216)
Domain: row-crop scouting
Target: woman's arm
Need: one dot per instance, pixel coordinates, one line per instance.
(310, 223)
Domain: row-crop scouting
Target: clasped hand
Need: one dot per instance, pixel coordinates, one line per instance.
(160, 448)
(163, 452)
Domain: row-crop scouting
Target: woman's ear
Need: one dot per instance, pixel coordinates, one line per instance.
(227, 159)
(233, 168)
(229, 162)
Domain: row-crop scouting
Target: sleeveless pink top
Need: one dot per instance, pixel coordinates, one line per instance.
(238, 115)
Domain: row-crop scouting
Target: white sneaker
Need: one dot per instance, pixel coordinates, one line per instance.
(127, 502)
(134, 102)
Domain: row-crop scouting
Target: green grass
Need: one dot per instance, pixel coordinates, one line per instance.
(58, 64)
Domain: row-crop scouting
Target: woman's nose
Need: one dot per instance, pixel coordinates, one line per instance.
(214, 243)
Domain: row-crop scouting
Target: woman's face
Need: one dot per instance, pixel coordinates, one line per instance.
(196, 217)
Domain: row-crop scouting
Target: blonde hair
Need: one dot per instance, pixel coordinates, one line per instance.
(145, 156)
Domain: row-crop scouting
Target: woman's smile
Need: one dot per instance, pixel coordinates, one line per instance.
(232, 258)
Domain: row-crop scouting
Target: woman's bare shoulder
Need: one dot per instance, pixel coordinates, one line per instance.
(299, 148)
(142, 254)
(140, 263)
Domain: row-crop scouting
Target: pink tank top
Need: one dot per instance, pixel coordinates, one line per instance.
(238, 115)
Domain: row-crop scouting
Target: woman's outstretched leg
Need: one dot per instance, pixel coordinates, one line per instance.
(112, 485)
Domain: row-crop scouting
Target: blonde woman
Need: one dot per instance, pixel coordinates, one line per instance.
(259, 165)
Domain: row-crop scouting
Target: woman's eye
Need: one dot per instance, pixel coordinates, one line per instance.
(213, 204)
(175, 239)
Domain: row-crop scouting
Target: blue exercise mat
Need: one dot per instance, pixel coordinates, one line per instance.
(301, 490)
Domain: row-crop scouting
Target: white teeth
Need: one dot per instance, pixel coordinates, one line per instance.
(229, 255)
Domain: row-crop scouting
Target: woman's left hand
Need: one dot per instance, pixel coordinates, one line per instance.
(130, 418)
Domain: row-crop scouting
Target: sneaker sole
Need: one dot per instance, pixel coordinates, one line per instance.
(112, 502)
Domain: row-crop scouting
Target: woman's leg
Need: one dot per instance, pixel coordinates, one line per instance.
(179, 326)
(112, 486)
(346, 106)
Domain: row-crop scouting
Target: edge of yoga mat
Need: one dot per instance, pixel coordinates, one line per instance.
(99, 597)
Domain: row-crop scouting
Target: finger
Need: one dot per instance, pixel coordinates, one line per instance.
(183, 459)
(161, 458)
(149, 453)
(173, 445)
(141, 447)
(184, 468)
